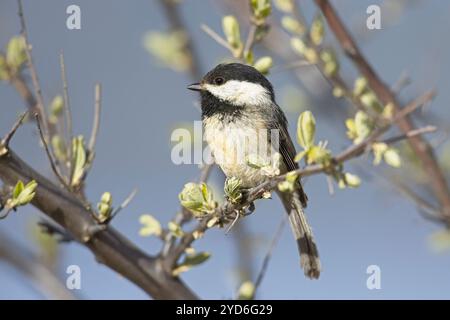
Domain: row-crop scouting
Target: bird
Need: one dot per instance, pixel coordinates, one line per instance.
(239, 112)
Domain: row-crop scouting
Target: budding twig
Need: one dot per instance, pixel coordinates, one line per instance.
(49, 155)
(4, 144)
(216, 37)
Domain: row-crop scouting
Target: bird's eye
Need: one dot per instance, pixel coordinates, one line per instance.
(219, 81)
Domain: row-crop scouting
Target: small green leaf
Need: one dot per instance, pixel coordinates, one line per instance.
(150, 226)
(18, 189)
(79, 160)
(306, 129)
(26, 194)
(191, 261)
(232, 189)
(300, 156)
(230, 27)
(261, 8)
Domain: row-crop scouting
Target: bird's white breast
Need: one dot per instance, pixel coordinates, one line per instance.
(232, 142)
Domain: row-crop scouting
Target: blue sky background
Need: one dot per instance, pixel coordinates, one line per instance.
(143, 102)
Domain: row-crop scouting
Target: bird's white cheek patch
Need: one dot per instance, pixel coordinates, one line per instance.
(240, 93)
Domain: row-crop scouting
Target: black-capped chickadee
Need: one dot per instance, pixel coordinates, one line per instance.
(238, 103)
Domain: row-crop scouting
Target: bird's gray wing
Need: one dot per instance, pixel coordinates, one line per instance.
(286, 148)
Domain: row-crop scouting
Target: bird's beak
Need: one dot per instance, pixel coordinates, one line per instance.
(195, 87)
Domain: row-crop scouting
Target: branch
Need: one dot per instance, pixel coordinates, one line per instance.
(108, 246)
(34, 77)
(422, 149)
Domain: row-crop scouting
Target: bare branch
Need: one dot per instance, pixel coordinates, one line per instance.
(124, 204)
(67, 106)
(34, 76)
(49, 155)
(216, 37)
(273, 243)
(109, 246)
(4, 144)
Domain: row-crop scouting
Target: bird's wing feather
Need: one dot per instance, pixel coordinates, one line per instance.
(286, 147)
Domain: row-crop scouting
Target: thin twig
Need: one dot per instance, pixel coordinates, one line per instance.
(251, 38)
(265, 263)
(216, 37)
(411, 134)
(5, 141)
(34, 76)
(49, 155)
(96, 125)
(124, 204)
(67, 107)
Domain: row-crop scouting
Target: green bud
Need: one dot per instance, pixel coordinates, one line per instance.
(370, 100)
(338, 92)
(246, 291)
(106, 198)
(57, 106)
(190, 261)
(197, 198)
(331, 62)
(306, 129)
(261, 8)
(311, 55)
(3, 68)
(59, 148)
(351, 129)
(175, 229)
(292, 25)
(79, 160)
(298, 45)
(361, 86)
(284, 5)
(15, 53)
(378, 148)
(317, 30)
(392, 157)
(363, 126)
(22, 194)
(263, 64)
(230, 27)
(318, 154)
(150, 226)
(351, 180)
(249, 58)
